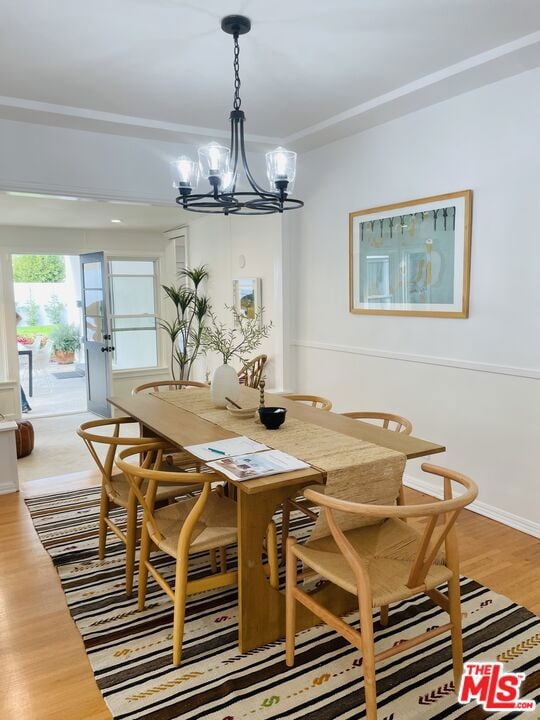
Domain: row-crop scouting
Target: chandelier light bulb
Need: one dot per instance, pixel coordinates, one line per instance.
(188, 172)
(214, 162)
(281, 169)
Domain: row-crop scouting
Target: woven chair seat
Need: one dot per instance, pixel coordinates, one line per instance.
(120, 486)
(215, 528)
(385, 549)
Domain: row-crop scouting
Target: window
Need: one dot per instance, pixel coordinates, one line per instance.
(133, 313)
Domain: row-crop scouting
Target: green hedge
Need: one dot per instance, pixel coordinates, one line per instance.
(39, 268)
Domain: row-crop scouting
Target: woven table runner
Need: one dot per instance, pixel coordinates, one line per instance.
(355, 469)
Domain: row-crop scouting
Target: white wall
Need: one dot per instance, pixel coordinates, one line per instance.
(65, 241)
(218, 242)
(470, 384)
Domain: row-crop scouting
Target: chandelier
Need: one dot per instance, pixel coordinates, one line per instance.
(221, 166)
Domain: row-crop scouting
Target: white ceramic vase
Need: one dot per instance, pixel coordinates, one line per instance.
(225, 384)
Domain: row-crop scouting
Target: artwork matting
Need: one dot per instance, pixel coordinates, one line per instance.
(412, 258)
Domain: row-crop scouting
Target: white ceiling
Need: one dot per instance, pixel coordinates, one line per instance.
(164, 68)
(50, 211)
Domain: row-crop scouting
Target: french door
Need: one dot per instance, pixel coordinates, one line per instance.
(97, 333)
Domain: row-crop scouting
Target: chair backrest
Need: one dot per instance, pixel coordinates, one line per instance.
(112, 442)
(314, 400)
(390, 421)
(42, 357)
(441, 517)
(161, 385)
(36, 344)
(139, 465)
(251, 374)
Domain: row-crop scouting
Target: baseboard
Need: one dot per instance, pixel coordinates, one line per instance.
(490, 511)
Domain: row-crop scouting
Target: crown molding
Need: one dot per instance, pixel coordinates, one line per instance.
(485, 68)
(43, 113)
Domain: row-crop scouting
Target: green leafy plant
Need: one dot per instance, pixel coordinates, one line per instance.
(240, 340)
(38, 268)
(185, 331)
(66, 338)
(32, 312)
(55, 310)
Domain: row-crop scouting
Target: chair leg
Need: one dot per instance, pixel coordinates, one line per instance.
(290, 604)
(454, 600)
(131, 541)
(143, 570)
(368, 653)
(384, 616)
(285, 522)
(180, 594)
(223, 559)
(271, 549)
(213, 560)
(103, 513)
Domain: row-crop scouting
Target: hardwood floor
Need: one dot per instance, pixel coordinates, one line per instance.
(45, 674)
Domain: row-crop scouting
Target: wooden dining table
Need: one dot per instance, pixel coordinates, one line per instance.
(261, 606)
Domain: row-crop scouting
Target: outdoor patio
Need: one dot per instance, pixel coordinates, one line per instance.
(56, 391)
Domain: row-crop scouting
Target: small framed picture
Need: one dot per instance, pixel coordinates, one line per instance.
(247, 296)
(412, 258)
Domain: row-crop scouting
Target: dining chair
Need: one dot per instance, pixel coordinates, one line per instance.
(299, 503)
(314, 400)
(381, 559)
(389, 421)
(160, 385)
(189, 526)
(41, 361)
(103, 440)
(251, 374)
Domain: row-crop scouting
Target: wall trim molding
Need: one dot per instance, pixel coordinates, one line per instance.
(530, 373)
(490, 511)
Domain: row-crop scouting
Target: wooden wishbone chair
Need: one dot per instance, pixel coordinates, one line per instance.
(299, 503)
(160, 385)
(189, 526)
(392, 422)
(115, 489)
(251, 374)
(314, 400)
(383, 562)
(397, 423)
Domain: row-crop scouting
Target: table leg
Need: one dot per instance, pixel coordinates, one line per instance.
(262, 607)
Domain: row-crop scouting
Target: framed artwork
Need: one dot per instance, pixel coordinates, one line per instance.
(412, 258)
(247, 296)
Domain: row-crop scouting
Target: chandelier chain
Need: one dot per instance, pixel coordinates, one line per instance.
(237, 100)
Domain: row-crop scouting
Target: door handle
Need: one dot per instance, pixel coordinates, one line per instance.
(109, 348)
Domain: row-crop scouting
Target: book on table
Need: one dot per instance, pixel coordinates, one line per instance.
(240, 458)
(258, 464)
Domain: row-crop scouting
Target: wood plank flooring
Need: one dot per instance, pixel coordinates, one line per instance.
(45, 674)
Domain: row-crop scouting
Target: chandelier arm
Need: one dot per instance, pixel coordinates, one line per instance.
(234, 148)
(265, 194)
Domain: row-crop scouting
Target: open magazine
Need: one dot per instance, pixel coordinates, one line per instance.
(255, 465)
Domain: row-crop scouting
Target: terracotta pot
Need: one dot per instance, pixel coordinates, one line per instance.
(64, 358)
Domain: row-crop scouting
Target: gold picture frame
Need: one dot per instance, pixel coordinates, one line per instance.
(424, 272)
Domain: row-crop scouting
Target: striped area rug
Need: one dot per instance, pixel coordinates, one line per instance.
(130, 651)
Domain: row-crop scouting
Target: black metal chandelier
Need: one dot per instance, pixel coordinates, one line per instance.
(221, 165)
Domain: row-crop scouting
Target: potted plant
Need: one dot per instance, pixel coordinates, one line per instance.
(185, 331)
(66, 340)
(240, 340)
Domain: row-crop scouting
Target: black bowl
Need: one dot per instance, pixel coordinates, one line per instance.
(272, 417)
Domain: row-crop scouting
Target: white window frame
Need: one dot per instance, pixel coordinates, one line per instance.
(140, 257)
